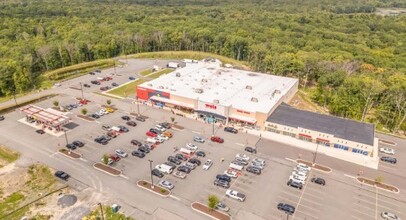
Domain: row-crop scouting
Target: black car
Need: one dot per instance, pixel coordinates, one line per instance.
(143, 149)
(108, 138)
(101, 140)
(97, 71)
(92, 73)
(223, 177)
(286, 208)
(131, 123)
(139, 118)
(78, 143)
(231, 130)
(71, 146)
(240, 162)
(136, 143)
(86, 85)
(114, 84)
(154, 130)
(294, 184)
(200, 154)
(131, 78)
(95, 82)
(319, 181)
(157, 173)
(137, 153)
(40, 131)
(170, 164)
(62, 175)
(251, 149)
(180, 157)
(123, 128)
(149, 147)
(166, 125)
(174, 160)
(222, 183)
(391, 160)
(195, 161)
(125, 117)
(1, 117)
(253, 170)
(95, 116)
(184, 169)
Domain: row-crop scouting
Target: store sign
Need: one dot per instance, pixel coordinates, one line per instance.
(210, 107)
(241, 111)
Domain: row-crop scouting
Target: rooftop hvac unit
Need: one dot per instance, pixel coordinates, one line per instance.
(253, 99)
(177, 74)
(173, 90)
(216, 101)
(252, 74)
(199, 91)
(248, 87)
(149, 84)
(160, 87)
(204, 80)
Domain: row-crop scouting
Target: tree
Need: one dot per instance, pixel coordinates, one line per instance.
(212, 201)
(172, 119)
(84, 111)
(106, 159)
(56, 103)
(108, 102)
(379, 179)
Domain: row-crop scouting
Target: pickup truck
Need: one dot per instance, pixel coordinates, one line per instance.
(235, 195)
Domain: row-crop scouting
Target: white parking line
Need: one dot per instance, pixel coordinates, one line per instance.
(51, 155)
(125, 177)
(239, 144)
(82, 159)
(290, 159)
(311, 201)
(350, 176)
(98, 122)
(196, 132)
(174, 197)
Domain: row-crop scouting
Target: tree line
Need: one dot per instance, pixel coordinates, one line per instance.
(348, 59)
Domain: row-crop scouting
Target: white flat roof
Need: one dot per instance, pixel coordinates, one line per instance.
(226, 85)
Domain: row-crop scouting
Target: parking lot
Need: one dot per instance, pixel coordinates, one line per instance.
(341, 198)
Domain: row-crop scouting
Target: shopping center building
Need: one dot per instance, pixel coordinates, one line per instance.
(210, 91)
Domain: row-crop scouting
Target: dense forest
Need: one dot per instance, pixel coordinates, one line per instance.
(350, 60)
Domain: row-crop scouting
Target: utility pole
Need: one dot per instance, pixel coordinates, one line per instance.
(212, 118)
(315, 153)
(81, 89)
(66, 137)
(101, 209)
(152, 179)
(138, 105)
(114, 67)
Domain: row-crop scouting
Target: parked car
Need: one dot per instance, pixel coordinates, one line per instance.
(222, 206)
(184, 169)
(389, 216)
(191, 147)
(166, 184)
(139, 118)
(253, 170)
(231, 173)
(295, 184)
(138, 153)
(109, 161)
(192, 166)
(40, 131)
(136, 142)
(172, 165)
(259, 160)
(223, 177)
(131, 78)
(101, 140)
(151, 134)
(319, 181)
(97, 71)
(106, 127)
(143, 149)
(387, 150)
(180, 157)
(235, 195)
(115, 157)
(114, 84)
(221, 183)
(1, 117)
(131, 123)
(71, 146)
(200, 153)
(121, 153)
(195, 161)
(86, 85)
(167, 134)
(179, 174)
(257, 165)
(95, 116)
(231, 130)
(198, 139)
(125, 117)
(157, 173)
(154, 130)
(239, 162)
(160, 128)
(242, 157)
(166, 125)
(174, 160)
(250, 149)
(62, 175)
(78, 143)
(217, 139)
(92, 73)
(391, 160)
(303, 166)
(207, 164)
(286, 208)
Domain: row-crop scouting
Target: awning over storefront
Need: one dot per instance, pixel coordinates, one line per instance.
(242, 118)
(210, 114)
(305, 135)
(51, 117)
(171, 101)
(323, 140)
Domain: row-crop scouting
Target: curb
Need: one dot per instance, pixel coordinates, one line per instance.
(106, 171)
(378, 187)
(69, 156)
(313, 166)
(197, 210)
(165, 196)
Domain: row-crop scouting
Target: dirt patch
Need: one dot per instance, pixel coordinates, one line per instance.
(213, 213)
(315, 166)
(383, 186)
(156, 189)
(107, 169)
(301, 101)
(85, 117)
(7, 156)
(177, 126)
(70, 154)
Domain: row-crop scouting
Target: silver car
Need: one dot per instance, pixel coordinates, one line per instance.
(166, 184)
(121, 153)
(190, 165)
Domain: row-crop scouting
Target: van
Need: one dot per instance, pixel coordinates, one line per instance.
(236, 167)
(164, 168)
(186, 151)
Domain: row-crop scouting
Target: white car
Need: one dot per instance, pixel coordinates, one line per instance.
(152, 140)
(190, 165)
(160, 128)
(242, 157)
(303, 166)
(191, 147)
(159, 139)
(300, 173)
(235, 195)
(166, 184)
(163, 137)
(257, 165)
(207, 164)
(179, 174)
(198, 139)
(301, 170)
(389, 216)
(387, 150)
(297, 177)
(121, 153)
(291, 177)
(259, 160)
(231, 173)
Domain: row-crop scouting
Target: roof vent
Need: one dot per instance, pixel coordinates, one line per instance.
(231, 83)
(199, 91)
(253, 99)
(216, 101)
(177, 74)
(149, 84)
(248, 87)
(160, 87)
(204, 80)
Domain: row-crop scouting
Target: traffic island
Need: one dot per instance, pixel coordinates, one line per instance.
(85, 117)
(109, 170)
(156, 189)
(212, 213)
(137, 115)
(70, 154)
(177, 127)
(377, 184)
(315, 166)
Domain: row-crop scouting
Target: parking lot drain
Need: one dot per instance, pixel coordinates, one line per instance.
(212, 213)
(107, 169)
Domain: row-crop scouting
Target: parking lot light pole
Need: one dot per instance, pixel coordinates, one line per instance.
(138, 105)
(81, 89)
(101, 209)
(212, 118)
(14, 95)
(152, 179)
(315, 154)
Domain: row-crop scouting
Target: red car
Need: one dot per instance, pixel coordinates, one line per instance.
(217, 139)
(151, 134)
(115, 157)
